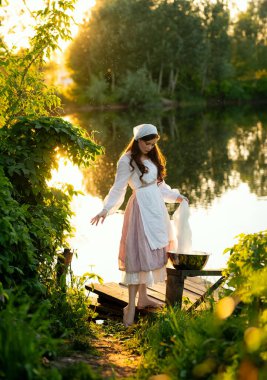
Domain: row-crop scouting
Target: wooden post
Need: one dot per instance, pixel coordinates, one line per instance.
(63, 261)
(175, 287)
(175, 284)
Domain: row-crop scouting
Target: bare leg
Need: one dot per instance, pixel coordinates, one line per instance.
(144, 300)
(129, 310)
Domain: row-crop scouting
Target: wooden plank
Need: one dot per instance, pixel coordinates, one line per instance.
(195, 273)
(194, 287)
(192, 297)
(159, 287)
(117, 294)
(192, 292)
(194, 283)
(110, 291)
(153, 292)
(198, 287)
(206, 294)
(198, 283)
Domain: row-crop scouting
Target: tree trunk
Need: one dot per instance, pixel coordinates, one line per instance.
(170, 81)
(63, 262)
(174, 81)
(173, 78)
(160, 78)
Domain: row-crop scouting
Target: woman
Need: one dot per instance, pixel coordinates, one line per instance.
(146, 233)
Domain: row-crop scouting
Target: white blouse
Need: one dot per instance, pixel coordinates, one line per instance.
(151, 198)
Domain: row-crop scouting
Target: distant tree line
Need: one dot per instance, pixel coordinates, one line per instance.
(147, 51)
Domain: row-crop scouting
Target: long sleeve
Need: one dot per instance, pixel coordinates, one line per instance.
(116, 194)
(169, 195)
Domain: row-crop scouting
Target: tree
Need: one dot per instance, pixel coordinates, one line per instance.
(35, 219)
(216, 53)
(187, 47)
(164, 39)
(110, 43)
(249, 49)
(22, 87)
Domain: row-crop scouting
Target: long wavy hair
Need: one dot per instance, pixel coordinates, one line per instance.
(155, 155)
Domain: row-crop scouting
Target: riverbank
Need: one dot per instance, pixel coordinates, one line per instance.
(163, 106)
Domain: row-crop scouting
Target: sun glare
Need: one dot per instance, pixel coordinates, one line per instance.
(16, 26)
(237, 6)
(66, 173)
(96, 247)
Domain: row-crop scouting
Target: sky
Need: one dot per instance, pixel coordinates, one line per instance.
(12, 18)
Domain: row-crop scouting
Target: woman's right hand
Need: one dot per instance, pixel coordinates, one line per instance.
(102, 215)
(182, 198)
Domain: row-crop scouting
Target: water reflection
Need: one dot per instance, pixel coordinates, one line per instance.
(248, 152)
(213, 228)
(96, 247)
(217, 158)
(207, 152)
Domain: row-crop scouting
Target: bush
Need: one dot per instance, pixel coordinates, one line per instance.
(96, 92)
(27, 345)
(222, 344)
(137, 88)
(35, 218)
(247, 265)
(19, 258)
(25, 340)
(70, 313)
(34, 222)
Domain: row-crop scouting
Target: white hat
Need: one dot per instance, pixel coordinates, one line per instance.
(144, 130)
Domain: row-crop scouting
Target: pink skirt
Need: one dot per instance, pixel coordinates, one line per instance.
(141, 264)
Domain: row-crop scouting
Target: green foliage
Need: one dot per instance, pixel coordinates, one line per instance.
(96, 92)
(137, 88)
(189, 48)
(25, 339)
(30, 148)
(216, 344)
(216, 53)
(28, 339)
(34, 224)
(79, 371)
(22, 87)
(247, 265)
(249, 41)
(36, 217)
(73, 304)
(19, 259)
(189, 347)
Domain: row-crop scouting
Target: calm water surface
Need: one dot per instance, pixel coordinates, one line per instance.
(217, 158)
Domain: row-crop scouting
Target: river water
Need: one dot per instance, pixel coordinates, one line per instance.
(216, 157)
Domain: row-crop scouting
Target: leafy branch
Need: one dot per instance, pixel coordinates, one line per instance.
(23, 91)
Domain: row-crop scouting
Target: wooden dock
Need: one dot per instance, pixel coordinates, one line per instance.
(181, 286)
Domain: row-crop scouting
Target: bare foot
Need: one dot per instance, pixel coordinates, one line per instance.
(149, 302)
(128, 316)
